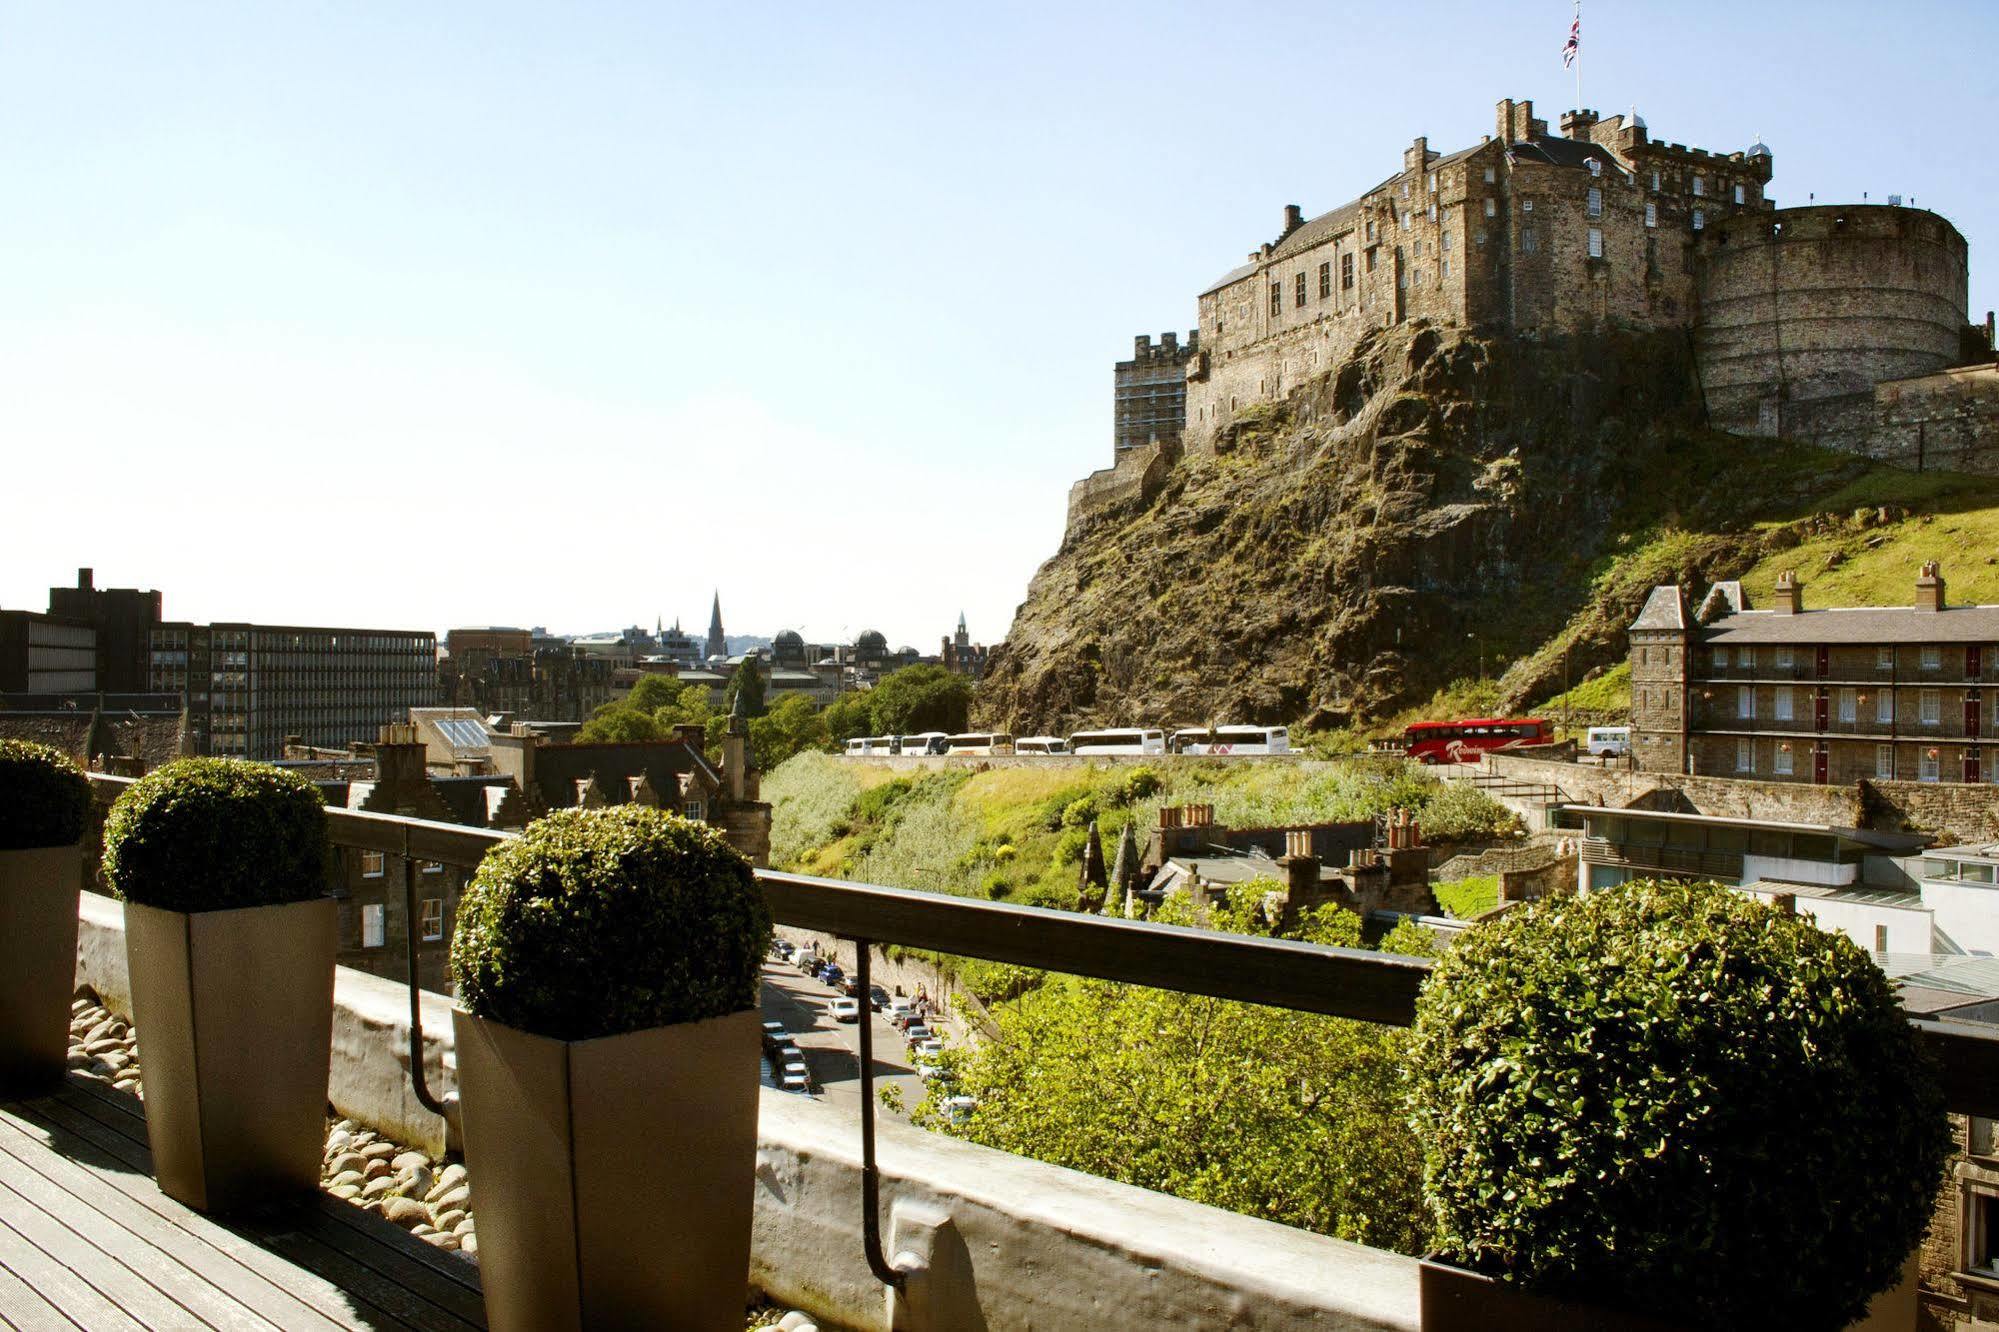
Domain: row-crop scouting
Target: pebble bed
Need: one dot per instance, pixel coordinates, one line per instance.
(427, 1197)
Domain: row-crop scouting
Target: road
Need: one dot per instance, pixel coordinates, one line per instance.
(804, 1006)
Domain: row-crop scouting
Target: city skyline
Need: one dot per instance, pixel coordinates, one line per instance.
(454, 318)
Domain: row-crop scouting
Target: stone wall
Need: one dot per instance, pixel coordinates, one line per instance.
(1823, 302)
(1941, 422)
(1133, 479)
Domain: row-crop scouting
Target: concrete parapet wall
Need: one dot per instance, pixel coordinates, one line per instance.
(992, 1240)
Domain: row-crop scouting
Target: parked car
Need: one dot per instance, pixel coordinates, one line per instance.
(851, 987)
(1607, 742)
(834, 977)
(846, 1010)
(929, 1072)
(899, 1011)
(929, 1048)
(796, 1083)
(784, 948)
(958, 1109)
(877, 998)
(915, 1032)
(808, 961)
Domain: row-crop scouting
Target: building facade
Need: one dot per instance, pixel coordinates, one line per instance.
(46, 654)
(1149, 401)
(1798, 314)
(123, 619)
(515, 672)
(250, 687)
(1908, 693)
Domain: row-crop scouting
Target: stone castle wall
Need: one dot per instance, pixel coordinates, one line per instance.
(1809, 304)
(1947, 421)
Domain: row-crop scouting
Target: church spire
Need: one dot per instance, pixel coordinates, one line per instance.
(718, 643)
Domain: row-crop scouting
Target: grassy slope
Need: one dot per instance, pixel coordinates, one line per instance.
(1018, 833)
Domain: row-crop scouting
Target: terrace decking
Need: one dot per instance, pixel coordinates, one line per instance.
(88, 1241)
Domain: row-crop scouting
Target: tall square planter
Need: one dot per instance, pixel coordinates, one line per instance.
(614, 1178)
(38, 900)
(1455, 1299)
(234, 1011)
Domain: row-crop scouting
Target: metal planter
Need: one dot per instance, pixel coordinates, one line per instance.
(38, 891)
(614, 1178)
(234, 1011)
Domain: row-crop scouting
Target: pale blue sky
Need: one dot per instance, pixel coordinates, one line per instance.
(422, 315)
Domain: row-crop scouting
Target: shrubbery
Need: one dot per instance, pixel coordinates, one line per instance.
(1670, 1098)
(44, 797)
(210, 834)
(604, 921)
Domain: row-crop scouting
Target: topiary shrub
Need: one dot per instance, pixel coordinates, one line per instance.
(1666, 1097)
(210, 834)
(603, 921)
(44, 797)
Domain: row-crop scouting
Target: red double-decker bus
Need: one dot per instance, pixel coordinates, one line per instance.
(1463, 741)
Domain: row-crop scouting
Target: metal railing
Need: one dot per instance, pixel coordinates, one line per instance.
(1279, 973)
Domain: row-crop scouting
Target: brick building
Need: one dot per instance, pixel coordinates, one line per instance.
(123, 619)
(514, 671)
(1798, 313)
(1149, 404)
(1831, 695)
(250, 687)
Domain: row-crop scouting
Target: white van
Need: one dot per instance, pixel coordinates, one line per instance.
(1607, 742)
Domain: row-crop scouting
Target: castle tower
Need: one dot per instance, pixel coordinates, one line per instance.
(962, 638)
(1661, 650)
(718, 644)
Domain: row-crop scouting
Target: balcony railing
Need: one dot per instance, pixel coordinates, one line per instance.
(1662, 859)
(1350, 983)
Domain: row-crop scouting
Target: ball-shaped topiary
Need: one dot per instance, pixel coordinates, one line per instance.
(1667, 1097)
(597, 922)
(44, 797)
(210, 834)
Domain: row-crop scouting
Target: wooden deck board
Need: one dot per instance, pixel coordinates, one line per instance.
(88, 1241)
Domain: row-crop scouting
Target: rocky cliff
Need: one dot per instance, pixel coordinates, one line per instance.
(1437, 501)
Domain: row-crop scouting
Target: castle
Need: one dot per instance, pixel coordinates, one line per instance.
(1840, 324)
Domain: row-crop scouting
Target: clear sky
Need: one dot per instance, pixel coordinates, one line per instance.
(417, 315)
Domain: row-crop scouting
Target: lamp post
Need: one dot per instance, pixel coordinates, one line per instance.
(1479, 647)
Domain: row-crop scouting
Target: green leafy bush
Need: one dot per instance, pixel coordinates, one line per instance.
(210, 834)
(1670, 1098)
(604, 921)
(44, 797)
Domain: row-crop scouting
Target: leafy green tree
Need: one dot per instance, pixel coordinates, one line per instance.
(615, 723)
(790, 727)
(653, 692)
(921, 698)
(1288, 1116)
(748, 682)
(849, 716)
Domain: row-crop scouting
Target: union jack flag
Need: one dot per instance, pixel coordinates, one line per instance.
(1573, 47)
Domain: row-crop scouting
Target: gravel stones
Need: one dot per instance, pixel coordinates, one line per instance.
(431, 1199)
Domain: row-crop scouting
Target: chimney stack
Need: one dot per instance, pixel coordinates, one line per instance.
(1929, 588)
(1301, 868)
(1790, 596)
(1294, 217)
(85, 579)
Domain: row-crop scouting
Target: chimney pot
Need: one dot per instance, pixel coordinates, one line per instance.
(1930, 587)
(1789, 595)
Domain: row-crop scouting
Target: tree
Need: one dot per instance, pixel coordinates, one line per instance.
(921, 698)
(849, 716)
(615, 723)
(653, 692)
(792, 726)
(1289, 1116)
(748, 682)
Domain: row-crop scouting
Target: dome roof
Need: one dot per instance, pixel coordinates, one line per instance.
(872, 638)
(1759, 149)
(790, 638)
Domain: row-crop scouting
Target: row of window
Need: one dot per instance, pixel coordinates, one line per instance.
(375, 922)
(1929, 705)
(1929, 657)
(1780, 759)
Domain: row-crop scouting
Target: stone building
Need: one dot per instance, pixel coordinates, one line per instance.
(1150, 397)
(1833, 695)
(1798, 314)
(960, 654)
(512, 671)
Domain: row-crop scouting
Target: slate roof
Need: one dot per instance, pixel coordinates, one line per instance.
(1665, 608)
(70, 733)
(1855, 624)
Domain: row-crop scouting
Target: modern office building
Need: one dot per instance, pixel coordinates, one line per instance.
(249, 687)
(123, 619)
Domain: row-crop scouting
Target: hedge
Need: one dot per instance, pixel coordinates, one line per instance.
(211, 834)
(44, 797)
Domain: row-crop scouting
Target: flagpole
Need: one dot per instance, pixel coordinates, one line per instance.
(1579, 56)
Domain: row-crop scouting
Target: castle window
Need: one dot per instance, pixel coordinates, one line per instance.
(1444, 239)
(1595, 167)
(1529, 242)
(1700, 186)
(1744, 754)
(1405, 189)
(1490, 175)
(1405, 220)
(1651, 214)
(1370, 228)
(1655, 182)
(1370, 260)
(1700, 218)
(1478, 237)
(1325, 279)
(1491, 207)
(1298, 290)
(1277, 298)
(1526, 205)
(1596, 242)
(1446, 271)
(1433, 212)
(1594, 205)
(1740, 197)
(1433, 182)
(1346, 271)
